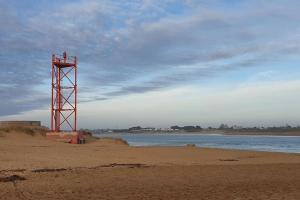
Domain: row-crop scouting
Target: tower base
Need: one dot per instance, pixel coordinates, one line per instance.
(67, 137)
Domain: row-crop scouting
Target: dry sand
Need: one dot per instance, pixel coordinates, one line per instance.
(32, 167)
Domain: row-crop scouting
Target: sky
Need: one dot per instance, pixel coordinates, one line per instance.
(155, 62)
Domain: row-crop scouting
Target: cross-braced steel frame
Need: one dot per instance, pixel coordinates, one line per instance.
(64, 93)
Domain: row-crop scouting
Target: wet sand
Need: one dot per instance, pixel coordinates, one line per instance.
(108, 169)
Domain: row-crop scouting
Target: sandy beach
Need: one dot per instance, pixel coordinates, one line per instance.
(32, 167)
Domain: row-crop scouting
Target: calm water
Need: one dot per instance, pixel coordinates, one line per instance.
(258, 143)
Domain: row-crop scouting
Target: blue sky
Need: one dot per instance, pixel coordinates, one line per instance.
(155, 63)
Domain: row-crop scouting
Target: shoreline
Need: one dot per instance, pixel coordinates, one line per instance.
(217, 148)
(265, 144)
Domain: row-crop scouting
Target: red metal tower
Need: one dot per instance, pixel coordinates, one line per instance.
(64, 93)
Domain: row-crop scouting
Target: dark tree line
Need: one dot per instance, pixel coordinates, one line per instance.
(187, 128)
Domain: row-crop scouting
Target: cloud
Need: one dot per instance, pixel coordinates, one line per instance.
(127, 47)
